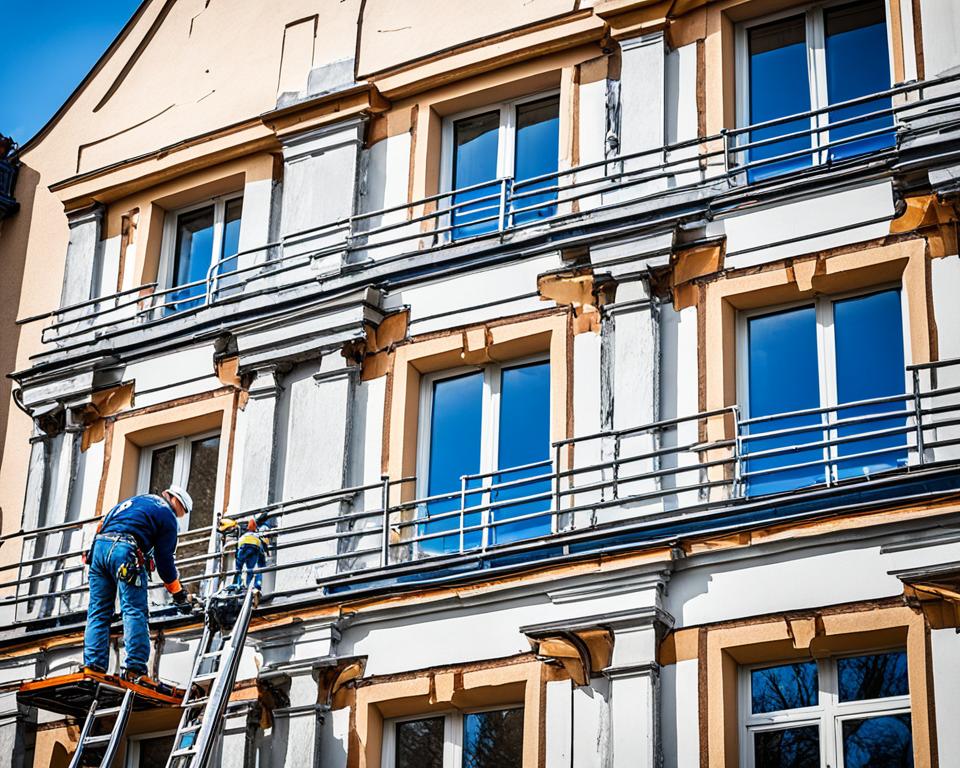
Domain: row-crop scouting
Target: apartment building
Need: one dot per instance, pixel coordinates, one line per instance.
(598, 362)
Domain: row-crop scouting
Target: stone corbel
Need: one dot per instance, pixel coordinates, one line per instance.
(333, 677)
(583, 653)
(934, 592)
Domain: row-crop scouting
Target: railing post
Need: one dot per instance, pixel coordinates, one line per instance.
(555, 522)
(463, 500)
(737, 453)
(385, 506)
(918, 413)
(726, 150)
(616, 466)
(502, 223)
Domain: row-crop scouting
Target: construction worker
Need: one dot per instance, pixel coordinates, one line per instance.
(132, 537)
(252, 548)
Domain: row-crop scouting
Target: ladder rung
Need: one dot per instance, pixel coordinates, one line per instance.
(186, 752)
(206, 676)
(106, 712)
(94, 740)
(194, 703)
(213, 654)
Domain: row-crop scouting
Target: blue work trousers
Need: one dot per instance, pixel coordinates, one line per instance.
(106, 558)
(249, 558)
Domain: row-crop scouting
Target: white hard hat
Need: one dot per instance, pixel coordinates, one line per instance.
(182, 496)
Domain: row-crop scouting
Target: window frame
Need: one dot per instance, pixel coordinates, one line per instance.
(826, 355)
(132, 757)
(506, 148)
(168, 255)
(181, 466)
(489, 426)
(452, 732)
(815, 37)
(828, 715)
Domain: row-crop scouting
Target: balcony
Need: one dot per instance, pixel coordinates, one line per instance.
(703, 474)
(573, 206)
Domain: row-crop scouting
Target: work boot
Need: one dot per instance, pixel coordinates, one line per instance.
(141, 679)
(92, 670)
(256, 598)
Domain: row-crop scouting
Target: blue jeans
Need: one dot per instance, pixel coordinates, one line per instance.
(107, 557)
(250, 557)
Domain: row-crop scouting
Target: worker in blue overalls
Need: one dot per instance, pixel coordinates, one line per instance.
(252, 549)
(135, 536)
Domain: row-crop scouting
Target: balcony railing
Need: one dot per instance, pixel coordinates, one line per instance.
(758, 156)
(651, 481)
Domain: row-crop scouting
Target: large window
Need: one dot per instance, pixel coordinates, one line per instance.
(484, 442)
(486, 739)
(190, 462)
(515, 140)
(846, 712)
(149, 751)
(799, 367)
(196, 240)
(808, 60)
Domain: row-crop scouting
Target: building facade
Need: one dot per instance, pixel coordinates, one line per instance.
(598, 362)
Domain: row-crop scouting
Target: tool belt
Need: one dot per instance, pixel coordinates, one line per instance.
(137, 563)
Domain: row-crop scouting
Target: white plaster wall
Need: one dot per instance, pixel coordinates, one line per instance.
(680, 108)
(254, 234)
(593, 132)
(752, 236)
(386, 185)
(945, 650)
(680, 715)
(591, 725)
(586, 421)
(181, 373)
(945, 279)
(455, 297)
(793, 579)
(559, 731)
(940, 22)
(109, 268)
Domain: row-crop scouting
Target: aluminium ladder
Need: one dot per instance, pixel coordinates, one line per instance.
(208, 691)
(109, 741)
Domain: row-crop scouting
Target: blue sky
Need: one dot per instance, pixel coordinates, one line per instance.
(48, 48)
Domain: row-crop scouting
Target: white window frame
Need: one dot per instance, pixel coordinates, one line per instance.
(826, 358)
(169, 241)
(133, 745)
(489, 423)
(452, 733)
(829, 713)
(181, 466)
(506, 143)
(816, 67)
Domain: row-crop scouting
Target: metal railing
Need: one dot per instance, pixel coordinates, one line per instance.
(591, 486)
(507, 207)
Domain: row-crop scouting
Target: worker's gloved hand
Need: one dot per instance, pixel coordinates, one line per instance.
(184, 601)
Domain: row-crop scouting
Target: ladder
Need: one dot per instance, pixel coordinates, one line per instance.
(208, 691)
(110, 741)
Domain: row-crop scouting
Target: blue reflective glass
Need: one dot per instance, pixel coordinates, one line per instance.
(857, 65)
(493, 739)
(537, 152)
(876, 676)
(787, 748)
(476, 143)
(524, 438)
(878, 742)
(779, 86)
(868, 336)
(455, 423)
(789, 686)
(782, 377)
(231, 235)
(192, 257)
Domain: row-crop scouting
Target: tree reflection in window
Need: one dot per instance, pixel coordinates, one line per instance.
(493, 739)
(420, 743)
(878, 742)
(788, 748)
(790, 686)
(877, 676)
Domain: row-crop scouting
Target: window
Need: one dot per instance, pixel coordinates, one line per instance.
(848, 712)
(197, 239)
(798, 366)
(517, 140)
(150, 751)
(484, 441)
(486, 739)
(798, 62)
(190, 462)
